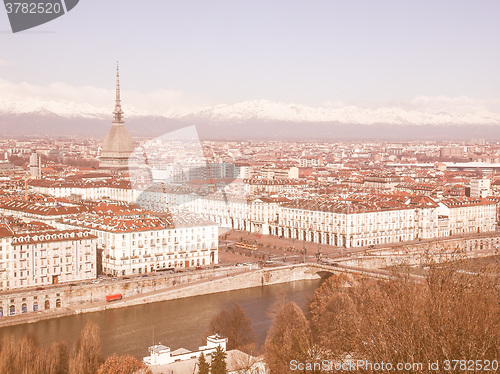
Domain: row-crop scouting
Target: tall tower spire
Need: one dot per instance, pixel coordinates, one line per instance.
(118, 113)
(118, 144)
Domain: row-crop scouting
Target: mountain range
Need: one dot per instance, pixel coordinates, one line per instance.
(253, 120)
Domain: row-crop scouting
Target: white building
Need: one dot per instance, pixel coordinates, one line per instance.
(48, 257)
(141, 244)
(183, 361)
(35, 166)
(426, 217)
(345, 223)
(87, 190)
(480, 188)
(161, 355)
(466, 215)
(160, 196)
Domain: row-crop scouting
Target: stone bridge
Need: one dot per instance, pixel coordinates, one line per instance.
(325, 270)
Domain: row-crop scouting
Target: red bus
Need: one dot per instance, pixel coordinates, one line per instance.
(117, 296)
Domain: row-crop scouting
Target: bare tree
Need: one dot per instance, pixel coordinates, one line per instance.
(58, 358)
(236, 327)
(453, 315)
(88, 355)
(289, 338)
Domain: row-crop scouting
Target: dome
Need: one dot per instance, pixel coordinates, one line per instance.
(118, 144)
(118, 140)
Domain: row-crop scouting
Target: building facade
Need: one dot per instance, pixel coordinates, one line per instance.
(138, 245)
(39, 259)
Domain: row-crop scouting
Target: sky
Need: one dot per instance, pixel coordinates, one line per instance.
(319, 53)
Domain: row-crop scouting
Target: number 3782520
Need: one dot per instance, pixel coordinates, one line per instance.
(471, 365)
(34, 8)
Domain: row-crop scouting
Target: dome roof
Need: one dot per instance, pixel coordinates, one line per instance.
(118, 140)
(118, 144)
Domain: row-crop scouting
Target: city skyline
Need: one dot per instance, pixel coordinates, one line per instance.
(332, 58)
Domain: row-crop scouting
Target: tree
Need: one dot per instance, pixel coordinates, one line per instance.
(88, 355)
(58, 355)
(236, 327)
(336, 328)
(332, 286)
(289, 338)
(218, 365)
(451, 314)
(20, 356)
(25, 355)
(203, 365)
(124, 364)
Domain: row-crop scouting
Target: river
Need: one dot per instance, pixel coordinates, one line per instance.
(176, 323)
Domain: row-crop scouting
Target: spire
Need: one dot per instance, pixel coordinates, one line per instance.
(118, 113)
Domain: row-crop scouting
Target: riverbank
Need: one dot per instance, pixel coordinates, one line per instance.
(175, 323)
(222, 281)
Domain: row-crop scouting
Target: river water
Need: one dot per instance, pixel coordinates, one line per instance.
(175, 323)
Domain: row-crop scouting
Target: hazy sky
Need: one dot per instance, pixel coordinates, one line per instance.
(306, 52)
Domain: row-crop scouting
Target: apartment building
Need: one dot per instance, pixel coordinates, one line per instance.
(33, 259)
(135, 245)
(466, 215)
(345, 223)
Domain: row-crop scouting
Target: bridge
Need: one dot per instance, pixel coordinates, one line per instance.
(307, 271)
(326, 270)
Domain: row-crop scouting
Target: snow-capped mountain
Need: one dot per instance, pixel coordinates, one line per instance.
(62, 109)
(275, 111)
(265, 110)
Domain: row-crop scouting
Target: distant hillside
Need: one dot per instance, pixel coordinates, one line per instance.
(52, 125)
